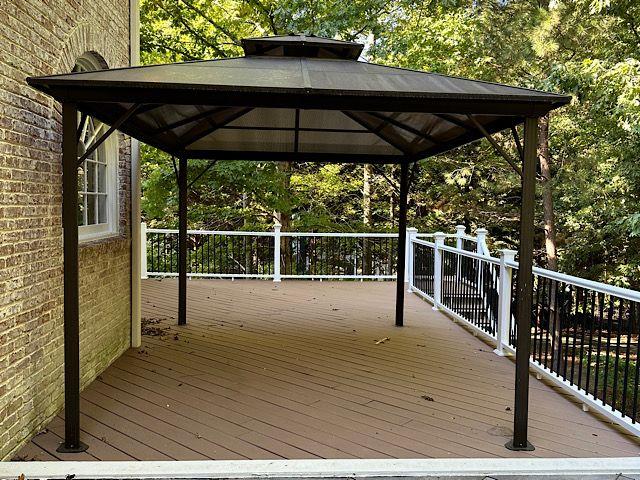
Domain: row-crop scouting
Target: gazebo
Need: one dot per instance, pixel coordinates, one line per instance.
(299, 99)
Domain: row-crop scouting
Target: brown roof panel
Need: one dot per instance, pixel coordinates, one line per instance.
(289, 95)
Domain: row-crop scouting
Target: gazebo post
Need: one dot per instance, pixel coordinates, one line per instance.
(402, 243)
(525, 288)
(182, 241)
(72, 443)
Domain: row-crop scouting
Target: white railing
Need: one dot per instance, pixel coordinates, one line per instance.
(583, 333)
(281, 255)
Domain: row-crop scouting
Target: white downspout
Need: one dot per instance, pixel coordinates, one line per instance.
(136, 296)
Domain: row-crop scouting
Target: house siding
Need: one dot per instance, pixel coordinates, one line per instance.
(39, 38)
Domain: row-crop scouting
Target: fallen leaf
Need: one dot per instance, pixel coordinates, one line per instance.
(382, 340)
(427, 398)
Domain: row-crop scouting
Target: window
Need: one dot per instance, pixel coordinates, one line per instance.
(97, 175)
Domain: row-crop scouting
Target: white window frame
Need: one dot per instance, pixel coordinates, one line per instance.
(109, 150)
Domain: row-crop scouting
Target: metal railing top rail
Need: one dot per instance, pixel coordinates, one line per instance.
(307, 234)
(272, 233)
(344, 235)
(212, 232)
(465, 253)
(448, 235)
(600, 287)
(423, 242)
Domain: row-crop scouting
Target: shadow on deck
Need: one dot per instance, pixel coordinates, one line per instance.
(295, 371)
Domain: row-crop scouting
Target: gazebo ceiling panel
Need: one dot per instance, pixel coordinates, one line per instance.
(246, 140)
(266, 118)
(327, 120)
(283, 90)
(367, 143)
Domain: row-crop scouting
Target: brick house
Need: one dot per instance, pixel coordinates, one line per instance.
(42, 38)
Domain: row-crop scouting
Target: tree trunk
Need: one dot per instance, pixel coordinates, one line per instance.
(544, 157)
(284, 218)
(547, 194)
(367, 217)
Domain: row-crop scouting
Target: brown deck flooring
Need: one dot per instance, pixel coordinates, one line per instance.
(293, 371)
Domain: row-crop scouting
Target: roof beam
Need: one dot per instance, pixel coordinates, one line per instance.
(496, 145)
(454, 120)
(405, 127)
(123, 118)
(292, 129)
(394, 141)
(201, 133)
(186, 121)
(516, 138)
(204, 170)
(261, 155)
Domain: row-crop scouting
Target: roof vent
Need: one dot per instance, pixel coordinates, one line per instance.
(301, 46)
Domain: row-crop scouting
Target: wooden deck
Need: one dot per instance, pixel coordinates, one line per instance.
(294, 371)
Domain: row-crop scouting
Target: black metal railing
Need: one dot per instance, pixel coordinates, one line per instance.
(344, 256)
(469, 245)
(588, 338)
(212, 254)
(470, 289)
(162, 252)
(423, 268)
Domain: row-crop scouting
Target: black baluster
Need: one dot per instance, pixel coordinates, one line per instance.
(625, 382)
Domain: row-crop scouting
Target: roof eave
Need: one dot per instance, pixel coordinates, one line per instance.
(112, 92)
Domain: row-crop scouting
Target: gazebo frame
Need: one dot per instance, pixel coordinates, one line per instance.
(104, 100)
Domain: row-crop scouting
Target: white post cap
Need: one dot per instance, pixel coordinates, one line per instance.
(439, 236)
(507, 254)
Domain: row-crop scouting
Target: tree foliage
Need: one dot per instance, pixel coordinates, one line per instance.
(587, 48)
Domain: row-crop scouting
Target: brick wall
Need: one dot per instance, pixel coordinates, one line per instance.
(39, 38)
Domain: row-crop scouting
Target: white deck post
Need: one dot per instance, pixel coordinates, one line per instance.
(481, 241)
(481, 237)
(411, 234)
(143, 250)
(460, 233)
(437, 270)
(504, 302)
(276, 252)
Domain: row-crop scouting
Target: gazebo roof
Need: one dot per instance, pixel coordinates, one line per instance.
(299, 98)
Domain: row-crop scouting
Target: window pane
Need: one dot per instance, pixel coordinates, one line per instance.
(91, 176)
(80, 210)
(81, 178)
(102, 209)
(102, 178)
(91, 209)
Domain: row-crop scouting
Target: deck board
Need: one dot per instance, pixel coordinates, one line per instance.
(266, 371)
